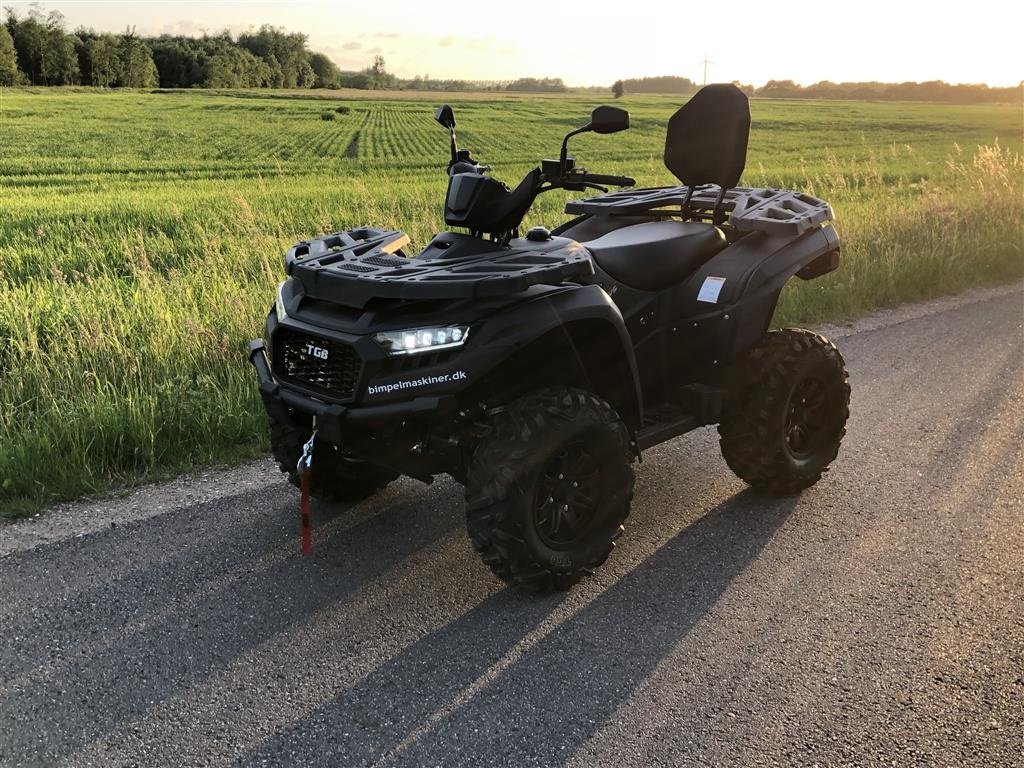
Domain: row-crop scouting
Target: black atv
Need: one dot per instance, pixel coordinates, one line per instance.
(535, 369)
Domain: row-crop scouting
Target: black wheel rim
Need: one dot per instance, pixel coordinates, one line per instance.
(807, 418)
(567, 496)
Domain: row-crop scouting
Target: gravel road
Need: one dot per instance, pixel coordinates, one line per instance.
(876, 619)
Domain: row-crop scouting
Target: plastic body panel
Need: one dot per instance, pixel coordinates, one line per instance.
(483, 204)
(752, 272)
(355, 267)
(471, 198)
(499, 328)
(680, 340)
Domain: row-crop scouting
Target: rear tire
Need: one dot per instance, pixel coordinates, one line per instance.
(335, 477)
(548, 489)
(785, 424)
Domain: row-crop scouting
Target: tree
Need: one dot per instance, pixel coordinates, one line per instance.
(780, 89)
(46, 54)
(180, 62)
(325, 71)
(618, 89)
(104, 61)
(288, 49)
(60, 59)
(359, 80)
(137, 67)
(9, 73)
(747, 89)
(237, 68)
(275, 75)
(29, 35)
(306, 77)
(377, 74)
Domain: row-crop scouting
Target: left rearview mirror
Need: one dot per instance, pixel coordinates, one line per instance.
(606, 119)
(445, 116)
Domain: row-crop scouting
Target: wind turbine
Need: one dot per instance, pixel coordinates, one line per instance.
(705, 63)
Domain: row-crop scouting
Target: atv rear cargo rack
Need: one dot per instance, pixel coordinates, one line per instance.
(771, 211)
(357, 265)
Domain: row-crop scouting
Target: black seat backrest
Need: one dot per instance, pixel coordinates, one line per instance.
(707, 137)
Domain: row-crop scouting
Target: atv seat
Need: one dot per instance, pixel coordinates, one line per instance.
(656, 254)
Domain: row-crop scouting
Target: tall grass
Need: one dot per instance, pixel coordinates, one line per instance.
(909, 241)
(134, 269)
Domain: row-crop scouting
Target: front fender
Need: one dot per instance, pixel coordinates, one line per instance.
(548, 338)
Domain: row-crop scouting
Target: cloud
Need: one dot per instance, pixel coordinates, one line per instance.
(375, 51)
(387, 34)
(355, 45)
(446, 42)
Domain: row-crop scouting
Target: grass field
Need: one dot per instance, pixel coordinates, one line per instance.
(140, 238)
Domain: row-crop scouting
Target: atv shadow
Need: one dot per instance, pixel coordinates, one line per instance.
(233, 582)
(459, 688)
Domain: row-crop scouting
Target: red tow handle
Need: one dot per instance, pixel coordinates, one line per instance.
(305, 516)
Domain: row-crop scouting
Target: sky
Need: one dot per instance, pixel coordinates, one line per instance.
(601, 41)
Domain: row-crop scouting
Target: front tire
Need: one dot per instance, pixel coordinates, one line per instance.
(548, 489)
(335, 476)
(787, 419)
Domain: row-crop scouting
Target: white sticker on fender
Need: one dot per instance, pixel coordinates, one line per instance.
(709, 290)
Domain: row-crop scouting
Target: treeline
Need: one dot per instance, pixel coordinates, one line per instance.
(935, 90)
(682, 86)
(538, 85)
(38, 50)
(427, 83)
(663, 84)
(267, 58)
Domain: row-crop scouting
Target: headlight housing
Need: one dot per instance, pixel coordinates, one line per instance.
(416, 340)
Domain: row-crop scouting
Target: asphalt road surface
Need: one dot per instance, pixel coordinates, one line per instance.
(876, 619)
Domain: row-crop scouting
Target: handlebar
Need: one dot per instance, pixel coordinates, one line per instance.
(600, 178)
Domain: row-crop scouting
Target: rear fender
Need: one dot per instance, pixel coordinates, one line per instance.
(729, 302)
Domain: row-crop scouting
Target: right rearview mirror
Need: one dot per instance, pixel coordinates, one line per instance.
(446, 117)
(606, 119)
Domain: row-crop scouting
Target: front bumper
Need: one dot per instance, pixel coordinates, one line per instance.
(334, 420)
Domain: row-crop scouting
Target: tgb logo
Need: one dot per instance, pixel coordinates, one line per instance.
(317, 352)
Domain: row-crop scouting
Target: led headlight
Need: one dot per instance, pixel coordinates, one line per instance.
(279, 306)
(417, 340)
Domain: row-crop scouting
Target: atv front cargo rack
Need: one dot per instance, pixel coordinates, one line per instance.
(772, 211)
(358, 265)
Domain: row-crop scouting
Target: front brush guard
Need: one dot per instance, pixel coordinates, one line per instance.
(332, 417)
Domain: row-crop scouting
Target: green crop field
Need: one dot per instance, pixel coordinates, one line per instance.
(141, 233)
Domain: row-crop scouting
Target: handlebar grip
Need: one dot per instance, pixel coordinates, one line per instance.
(614, 181)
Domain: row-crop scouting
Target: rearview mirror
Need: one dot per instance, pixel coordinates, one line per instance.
(446, 117)
(606, 119)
